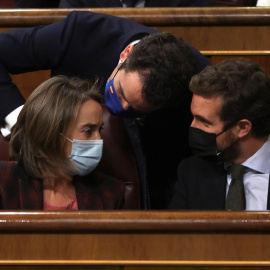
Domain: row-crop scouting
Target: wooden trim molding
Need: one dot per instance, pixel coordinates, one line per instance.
(135, 263)
(148, 16)
(135, 238)
(140, 221)
(235, 53)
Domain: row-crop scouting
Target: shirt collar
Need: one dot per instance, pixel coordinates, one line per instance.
(260, 161)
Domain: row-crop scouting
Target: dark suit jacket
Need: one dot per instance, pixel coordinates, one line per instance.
(18, 191)
(148, 3)
(36, 3)
(88, 45)
(201, 185)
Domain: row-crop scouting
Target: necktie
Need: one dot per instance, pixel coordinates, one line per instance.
(236, 200)
(129, 3)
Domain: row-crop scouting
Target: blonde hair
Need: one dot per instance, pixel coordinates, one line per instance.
(36, 140)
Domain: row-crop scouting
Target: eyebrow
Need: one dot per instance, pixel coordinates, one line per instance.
(91, 125)
(202, 119)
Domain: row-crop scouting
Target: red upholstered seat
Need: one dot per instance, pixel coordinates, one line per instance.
(4, 148)
(118, 159)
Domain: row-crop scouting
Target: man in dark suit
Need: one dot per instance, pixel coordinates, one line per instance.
(143, 77)
(230, 129)
(134, 3)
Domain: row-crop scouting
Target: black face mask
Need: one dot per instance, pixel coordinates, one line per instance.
(202, 143)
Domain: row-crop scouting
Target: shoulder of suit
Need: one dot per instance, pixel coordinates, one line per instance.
(8, 165)
(199, 161)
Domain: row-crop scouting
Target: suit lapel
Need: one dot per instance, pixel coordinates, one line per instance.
(31, 193)
(108, 3)
(87, 198)
(213, 186)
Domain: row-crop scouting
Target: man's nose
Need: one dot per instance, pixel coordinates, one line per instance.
(193, 123)
(97, 135)
(125, 105)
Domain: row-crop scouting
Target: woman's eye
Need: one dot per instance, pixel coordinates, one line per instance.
(88, 131)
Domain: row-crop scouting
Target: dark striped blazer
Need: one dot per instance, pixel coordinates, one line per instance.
(19, 191)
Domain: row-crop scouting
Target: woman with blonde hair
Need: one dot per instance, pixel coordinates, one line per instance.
(55, 146)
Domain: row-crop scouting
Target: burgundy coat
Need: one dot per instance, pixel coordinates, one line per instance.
(19, 191)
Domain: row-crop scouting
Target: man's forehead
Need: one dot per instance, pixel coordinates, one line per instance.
(206, 106)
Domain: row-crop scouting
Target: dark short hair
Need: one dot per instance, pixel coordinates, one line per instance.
(165, 64)
(38, 138)
(245, 91)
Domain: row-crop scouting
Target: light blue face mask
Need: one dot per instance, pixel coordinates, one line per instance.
(86, 154)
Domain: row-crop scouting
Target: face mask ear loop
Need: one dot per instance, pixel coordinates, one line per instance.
(230, 126)
(221, 132)
(218, 153)
(115, 73)
(66, 137)
(69, 139)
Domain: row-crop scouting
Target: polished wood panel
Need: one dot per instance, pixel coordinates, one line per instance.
(135, 238)
(27, 82)
(195, 268)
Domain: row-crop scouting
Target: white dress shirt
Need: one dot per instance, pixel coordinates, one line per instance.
(263, 3)
(10, 121)
(256, 178)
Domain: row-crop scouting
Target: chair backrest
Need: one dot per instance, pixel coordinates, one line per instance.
(4, 148)
(118, 160)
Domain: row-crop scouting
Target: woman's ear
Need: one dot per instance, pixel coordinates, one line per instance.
(125, 53)
(244, 127)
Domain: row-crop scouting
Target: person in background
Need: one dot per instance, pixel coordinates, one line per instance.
(229, 135)
(145, 73)
(134, 3)
(55, 146)
(36, 3)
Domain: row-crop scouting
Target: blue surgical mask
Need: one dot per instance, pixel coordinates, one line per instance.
(113, 102)
(86, 154)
